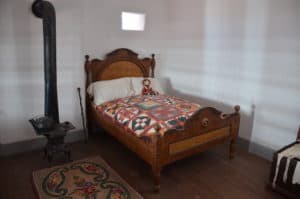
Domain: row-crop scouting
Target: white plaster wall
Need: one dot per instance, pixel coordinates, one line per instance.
(230, 52)
(83, 27)
(102, 27)
(21, 66)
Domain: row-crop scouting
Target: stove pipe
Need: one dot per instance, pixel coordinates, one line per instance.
(45, 10)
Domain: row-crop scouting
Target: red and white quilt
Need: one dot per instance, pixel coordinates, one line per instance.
(142, 115)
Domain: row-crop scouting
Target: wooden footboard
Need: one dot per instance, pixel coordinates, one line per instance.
(193, 142)
(205, 129)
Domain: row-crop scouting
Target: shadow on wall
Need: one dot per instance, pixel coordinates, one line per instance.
(277, 98)
(247, 121)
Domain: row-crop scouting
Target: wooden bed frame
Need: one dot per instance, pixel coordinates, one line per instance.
(205, 129)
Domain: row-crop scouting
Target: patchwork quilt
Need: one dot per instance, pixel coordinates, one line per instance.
(148, 115)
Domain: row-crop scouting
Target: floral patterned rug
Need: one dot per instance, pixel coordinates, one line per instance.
(89, 178)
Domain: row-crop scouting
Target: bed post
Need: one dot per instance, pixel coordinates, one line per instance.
(232, 148)
(87, 81)
(234, 131)
(156, 165)
(152, 65)
(156, 174)
(298, 136)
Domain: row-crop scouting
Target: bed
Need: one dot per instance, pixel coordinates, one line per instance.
(204, 129)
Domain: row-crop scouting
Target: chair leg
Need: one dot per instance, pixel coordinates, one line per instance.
(232, 148)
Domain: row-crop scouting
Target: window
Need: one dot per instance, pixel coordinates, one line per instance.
(133, 21)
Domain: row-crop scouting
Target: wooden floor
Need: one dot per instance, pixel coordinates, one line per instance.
(209, 175)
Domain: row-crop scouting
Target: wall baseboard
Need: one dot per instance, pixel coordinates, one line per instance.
(36, 144)
(243, 144)
(262, 151)
(257, 149)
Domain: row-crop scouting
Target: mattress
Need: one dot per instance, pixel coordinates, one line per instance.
(149, 115)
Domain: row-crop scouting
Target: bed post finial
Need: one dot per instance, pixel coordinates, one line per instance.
(87, 57)
(152, 64)
(237, 108)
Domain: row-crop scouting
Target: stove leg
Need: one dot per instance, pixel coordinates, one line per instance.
(68, 154)
(50, 157)
(45, 153)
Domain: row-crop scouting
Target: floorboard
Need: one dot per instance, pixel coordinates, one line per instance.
(209, 175)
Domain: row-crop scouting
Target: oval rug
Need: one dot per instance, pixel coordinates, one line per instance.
(90, 178)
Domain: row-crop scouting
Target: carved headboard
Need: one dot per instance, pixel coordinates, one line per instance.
(119, 63)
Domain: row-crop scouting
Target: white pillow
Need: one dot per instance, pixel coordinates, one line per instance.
(137, 85)
(104, 91)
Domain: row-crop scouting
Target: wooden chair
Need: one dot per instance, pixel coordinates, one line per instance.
(278, 182)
